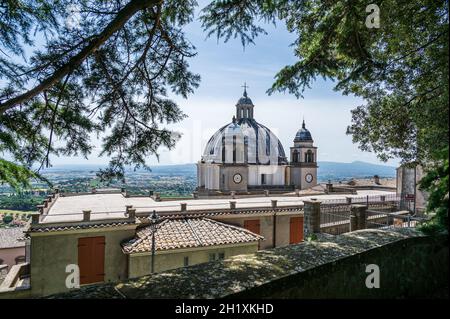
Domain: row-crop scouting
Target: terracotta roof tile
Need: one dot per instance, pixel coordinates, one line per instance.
(42, 228)
(188, 233)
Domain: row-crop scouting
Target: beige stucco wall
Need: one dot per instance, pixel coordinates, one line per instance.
(9, 255)
(52, 252)
(266, 227)
(140, 264)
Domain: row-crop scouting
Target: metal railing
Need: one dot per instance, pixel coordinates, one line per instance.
(382, 220)
(335, 219)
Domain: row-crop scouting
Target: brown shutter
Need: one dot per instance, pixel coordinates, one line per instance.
(252, 225)
(296, 230)
(91, 259)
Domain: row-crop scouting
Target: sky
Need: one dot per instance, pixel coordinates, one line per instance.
(224, 67)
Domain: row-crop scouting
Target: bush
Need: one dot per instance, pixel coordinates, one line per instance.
(7, 219)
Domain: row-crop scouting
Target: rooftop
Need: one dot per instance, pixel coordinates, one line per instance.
(188, 233)
(112, 206)
(12, 237)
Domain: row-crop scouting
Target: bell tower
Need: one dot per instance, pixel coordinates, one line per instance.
(303, 164)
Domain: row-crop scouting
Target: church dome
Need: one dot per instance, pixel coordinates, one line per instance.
(244, 140)
(303, 134)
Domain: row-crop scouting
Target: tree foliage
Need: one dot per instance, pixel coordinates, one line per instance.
(108, 73)
(436, 183)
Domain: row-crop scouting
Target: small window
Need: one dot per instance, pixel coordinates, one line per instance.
(20, 259)
(186, 261)
(221, 255)
(1, 261)
(212, 257)
(263, 179)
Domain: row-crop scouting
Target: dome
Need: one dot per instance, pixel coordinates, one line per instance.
(303, 135)
(258, 144)
(244, 140)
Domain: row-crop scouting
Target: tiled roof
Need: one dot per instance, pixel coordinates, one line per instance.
(12, 237)
(223, 212)
(53, 228)
(188, 233)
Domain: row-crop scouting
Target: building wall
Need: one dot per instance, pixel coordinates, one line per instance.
(140, 264)
(275, 174)
(52, 252)
(227, 173)
(298, 174)
(9, 255)
(266, 227)
(408, 179)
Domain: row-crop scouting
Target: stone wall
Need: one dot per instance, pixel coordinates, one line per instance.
(411, 265)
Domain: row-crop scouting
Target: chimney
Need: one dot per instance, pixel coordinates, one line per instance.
(86, 215)
(35, 218)
(40, 208)
(131, 213)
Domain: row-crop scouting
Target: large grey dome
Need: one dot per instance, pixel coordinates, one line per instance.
(244, 140)
(259, 144)
(303, 135)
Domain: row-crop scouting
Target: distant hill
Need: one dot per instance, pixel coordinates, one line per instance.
(357, 169)
(327, 170)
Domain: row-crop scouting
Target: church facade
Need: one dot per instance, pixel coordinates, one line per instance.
(245, 155)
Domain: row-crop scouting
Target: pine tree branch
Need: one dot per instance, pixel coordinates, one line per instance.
(116, 24)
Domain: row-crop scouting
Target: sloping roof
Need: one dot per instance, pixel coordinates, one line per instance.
(12, 237)
(43, 228)
(188, 233)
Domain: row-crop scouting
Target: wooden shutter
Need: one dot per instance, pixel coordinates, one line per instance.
(252, 225)
(91, 259)
(296, 230)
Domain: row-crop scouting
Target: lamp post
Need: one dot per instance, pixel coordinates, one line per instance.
(154, 218)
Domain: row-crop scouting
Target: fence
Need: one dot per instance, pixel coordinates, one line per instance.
(338, 216)
(335, 214)
(380, 220)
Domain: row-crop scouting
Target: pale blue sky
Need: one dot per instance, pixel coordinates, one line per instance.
(224, 67)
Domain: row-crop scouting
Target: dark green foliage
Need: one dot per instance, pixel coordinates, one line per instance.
(436, 183)
(110, 75)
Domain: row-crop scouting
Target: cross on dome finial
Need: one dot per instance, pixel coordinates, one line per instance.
(303, 124)
(245, 86)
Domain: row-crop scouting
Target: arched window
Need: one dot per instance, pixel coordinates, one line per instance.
(234, 148)
(295, 158)
(309, 156)
(223, 149)
(267, 144)
(246, 149)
